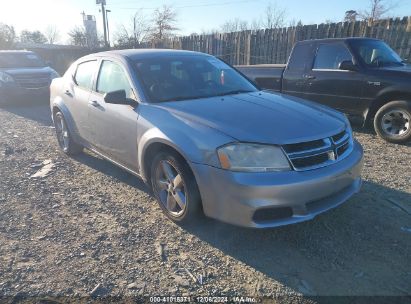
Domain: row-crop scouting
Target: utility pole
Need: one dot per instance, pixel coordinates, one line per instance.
(103, 10)
(108, 28)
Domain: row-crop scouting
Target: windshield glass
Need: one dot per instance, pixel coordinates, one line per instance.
(20, 60)
(375, 53)
(187, 77)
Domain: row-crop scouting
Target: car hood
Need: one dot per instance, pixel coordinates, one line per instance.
(261, 117)
(43, 71)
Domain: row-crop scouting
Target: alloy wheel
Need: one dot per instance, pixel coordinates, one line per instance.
(171, 188)
(62, 132)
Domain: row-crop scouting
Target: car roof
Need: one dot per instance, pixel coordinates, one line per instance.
(336, 39)
(134, 54)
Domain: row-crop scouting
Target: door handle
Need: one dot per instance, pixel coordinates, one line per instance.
(309, 76)
(68, 93)
(93, 103)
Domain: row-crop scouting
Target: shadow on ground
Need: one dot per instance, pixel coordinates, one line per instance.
(39, 111)
(359, 248)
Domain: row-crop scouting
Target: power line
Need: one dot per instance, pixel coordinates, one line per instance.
(188, 6)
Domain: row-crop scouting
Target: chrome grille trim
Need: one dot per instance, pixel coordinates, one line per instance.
(32, 81)
(320, 156)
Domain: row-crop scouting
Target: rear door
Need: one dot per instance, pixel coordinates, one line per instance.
(329, 85)
(76, 94)
(114, 127)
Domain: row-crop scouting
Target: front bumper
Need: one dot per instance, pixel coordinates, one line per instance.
(12, 93)
(253, 199)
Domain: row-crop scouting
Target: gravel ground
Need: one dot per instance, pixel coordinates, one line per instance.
(90, 228)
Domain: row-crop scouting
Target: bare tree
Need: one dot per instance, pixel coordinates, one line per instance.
(27, 36)
(295, 23)
(234, 25)
(132, 35)
(274, 16)
(350, 16)
(7, 36)
(52, 34)
(123, 38)
(140, 27)
(164, 21)
(78, 36)
(377, 9)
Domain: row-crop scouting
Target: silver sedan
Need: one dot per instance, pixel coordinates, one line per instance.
(205, 138)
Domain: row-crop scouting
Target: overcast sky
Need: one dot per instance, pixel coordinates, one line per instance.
(193, 16)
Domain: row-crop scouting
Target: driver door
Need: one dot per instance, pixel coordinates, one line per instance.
(114, 126)
(329, 85)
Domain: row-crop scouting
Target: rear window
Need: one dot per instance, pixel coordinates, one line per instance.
(84, 74)
(20, 60)
(301, 57)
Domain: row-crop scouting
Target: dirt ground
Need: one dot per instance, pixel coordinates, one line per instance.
(90, 228)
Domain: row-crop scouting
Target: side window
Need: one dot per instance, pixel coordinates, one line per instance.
(329, 56)
(84, 74)
(301, 56)
(112, 77)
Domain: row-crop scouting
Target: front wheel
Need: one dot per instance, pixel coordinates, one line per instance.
(175, 188)
(393, 122)
(65, 140)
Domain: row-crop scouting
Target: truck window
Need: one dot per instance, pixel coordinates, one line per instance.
(375, 53)
(300, 57)
(329, 56)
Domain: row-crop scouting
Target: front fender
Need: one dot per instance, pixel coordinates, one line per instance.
(197, 143)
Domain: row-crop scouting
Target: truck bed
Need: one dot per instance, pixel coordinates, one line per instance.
(267, 76)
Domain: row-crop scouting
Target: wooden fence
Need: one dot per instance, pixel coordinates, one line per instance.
(275, 45)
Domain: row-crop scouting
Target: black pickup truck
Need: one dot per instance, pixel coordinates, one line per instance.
(361, 77)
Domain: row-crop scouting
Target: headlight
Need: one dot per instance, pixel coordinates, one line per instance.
(54, 74)
(252, 158)
(4, 77)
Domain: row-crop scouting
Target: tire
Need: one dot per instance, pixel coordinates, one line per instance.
(64, 138)
(165, 167)
(393, 122)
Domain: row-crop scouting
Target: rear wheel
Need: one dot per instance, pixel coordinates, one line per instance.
(65, 140)
(175, 188)
(393, 122)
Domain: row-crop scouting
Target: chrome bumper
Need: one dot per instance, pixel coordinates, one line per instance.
(236, 197)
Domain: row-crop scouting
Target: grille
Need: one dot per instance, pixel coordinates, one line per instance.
(319, 153)
(32, 81)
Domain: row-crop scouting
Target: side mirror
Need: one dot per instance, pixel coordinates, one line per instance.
(347, 65)
(118, 97)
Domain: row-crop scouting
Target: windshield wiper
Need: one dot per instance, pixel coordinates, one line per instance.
(234, 92)
(180, 98)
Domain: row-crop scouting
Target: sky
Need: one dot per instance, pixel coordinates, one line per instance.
(193, 16)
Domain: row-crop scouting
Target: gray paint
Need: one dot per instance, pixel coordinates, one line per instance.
(196, 128)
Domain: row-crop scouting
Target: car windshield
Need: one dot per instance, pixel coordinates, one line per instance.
(20, 60)
(175, 78)
(375, 53)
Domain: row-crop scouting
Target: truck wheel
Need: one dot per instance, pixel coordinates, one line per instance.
(175, 188)
(393, 122)
(65, 140)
